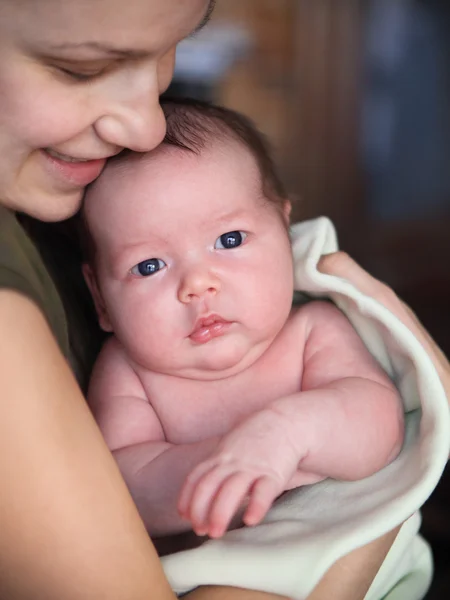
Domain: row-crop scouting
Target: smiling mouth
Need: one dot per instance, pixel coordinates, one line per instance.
(208, 328)
(73, 159)
(71, 171)
(65, 157)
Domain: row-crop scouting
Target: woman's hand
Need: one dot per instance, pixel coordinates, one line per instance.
(352, 575)
(342, 265)
(348, 579)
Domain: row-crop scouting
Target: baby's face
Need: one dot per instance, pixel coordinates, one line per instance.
(193, 266)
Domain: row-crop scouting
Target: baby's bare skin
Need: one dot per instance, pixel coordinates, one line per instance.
(314, 405)
(213, 394)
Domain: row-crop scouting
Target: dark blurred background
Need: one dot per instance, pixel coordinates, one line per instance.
(355, 98)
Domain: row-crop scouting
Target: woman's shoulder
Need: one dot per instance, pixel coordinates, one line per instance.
(22, 270)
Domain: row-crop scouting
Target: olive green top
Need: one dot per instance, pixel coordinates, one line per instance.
(22, 269)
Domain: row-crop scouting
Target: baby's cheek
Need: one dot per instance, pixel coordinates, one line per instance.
(150, 328)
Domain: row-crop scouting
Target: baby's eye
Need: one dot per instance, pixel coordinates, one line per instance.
(232, 239)
(148, 267)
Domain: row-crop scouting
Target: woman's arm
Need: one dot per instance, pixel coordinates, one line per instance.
(351, 576)
(69, 528)
(214, 592)
(348, 579)
(342, 265)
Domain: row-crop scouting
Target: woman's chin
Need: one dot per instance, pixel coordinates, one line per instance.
(55, 207)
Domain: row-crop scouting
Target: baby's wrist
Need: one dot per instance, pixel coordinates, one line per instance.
(295, 425)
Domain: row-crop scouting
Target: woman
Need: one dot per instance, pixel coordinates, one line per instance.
(80, 81)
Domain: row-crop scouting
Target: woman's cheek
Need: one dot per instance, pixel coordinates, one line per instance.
(47, 112)
(165, 70)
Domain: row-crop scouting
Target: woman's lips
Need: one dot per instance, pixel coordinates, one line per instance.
(209, 328)
(80, 173)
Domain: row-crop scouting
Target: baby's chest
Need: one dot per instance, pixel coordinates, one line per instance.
(193, 411)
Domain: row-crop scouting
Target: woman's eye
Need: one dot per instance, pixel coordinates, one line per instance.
(79, 76)
(229, 240)
(148, 267)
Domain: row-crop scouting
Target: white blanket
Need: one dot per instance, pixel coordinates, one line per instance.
(309, 528)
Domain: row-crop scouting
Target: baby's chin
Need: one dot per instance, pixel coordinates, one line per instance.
(215, 362)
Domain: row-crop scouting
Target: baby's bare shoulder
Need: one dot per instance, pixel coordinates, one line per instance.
(112, 357)
(318, 312)
(331, 340)
(113, 373)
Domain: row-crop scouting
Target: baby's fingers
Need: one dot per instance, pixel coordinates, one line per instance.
(185, 498)
(262, 495)
(227, 502)
(203, 496)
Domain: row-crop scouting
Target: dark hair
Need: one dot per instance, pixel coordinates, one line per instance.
(194, 125)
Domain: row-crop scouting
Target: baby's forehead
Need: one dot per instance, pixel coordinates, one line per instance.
(127, 167)
(133, 178)
(126, 171)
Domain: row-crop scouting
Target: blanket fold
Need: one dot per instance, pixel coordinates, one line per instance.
(309, 528)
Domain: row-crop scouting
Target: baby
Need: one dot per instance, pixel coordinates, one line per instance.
(214, 393)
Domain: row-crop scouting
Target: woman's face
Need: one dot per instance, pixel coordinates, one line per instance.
(80, 81)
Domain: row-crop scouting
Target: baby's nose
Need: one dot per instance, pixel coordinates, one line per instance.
(196, 284)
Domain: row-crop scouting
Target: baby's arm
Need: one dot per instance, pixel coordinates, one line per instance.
(153, 469)
(346, 422)
(351, 409)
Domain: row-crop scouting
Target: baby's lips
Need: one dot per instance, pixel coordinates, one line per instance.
(208, 328)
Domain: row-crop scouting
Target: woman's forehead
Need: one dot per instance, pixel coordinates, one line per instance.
(138, 25)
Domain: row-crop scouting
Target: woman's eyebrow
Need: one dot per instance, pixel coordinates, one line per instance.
(106, 49)
(124, 52)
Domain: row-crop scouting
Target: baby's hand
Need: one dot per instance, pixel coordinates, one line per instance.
(253, 464)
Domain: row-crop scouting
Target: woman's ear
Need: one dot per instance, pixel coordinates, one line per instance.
(91, 281)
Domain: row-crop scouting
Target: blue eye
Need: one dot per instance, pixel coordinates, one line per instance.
(148, 267)
(229, 240)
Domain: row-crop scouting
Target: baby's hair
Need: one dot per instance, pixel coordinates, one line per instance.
(194, 125)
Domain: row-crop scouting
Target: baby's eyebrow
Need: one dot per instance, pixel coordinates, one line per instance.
(239, 213)
(152, 242)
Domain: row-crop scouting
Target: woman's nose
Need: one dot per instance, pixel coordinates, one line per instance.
(134, 118)
(197, 284)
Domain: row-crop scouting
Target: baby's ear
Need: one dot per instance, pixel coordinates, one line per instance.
(287, 208)
(91, 281)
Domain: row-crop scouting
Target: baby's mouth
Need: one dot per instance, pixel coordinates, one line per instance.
(207, 328)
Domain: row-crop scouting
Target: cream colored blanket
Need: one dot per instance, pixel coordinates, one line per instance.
(309, 528)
